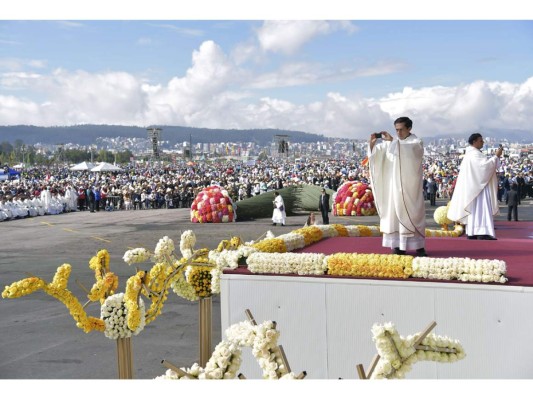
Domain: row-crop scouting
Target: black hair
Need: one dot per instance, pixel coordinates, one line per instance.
(473, 137)
(404, 120)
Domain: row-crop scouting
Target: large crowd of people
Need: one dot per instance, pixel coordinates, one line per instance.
(41, 190)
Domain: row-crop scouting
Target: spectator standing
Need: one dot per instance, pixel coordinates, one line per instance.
(513, 200)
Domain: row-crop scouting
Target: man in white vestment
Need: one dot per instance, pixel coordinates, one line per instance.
(475, 197)
(396, 175)
(279, 214)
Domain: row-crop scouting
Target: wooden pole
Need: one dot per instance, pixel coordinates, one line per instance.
(124, 358)
(205, 316)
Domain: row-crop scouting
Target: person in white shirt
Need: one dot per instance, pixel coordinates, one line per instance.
(396, 175)
(475, 201)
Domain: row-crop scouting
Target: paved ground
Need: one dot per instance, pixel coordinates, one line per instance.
(39, 339)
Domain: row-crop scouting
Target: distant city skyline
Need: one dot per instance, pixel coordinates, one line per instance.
(338, 78)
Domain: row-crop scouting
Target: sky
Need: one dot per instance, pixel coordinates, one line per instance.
(340, 74)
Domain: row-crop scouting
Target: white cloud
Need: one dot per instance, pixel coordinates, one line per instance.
(288, 36)
(216, 92)
(297, 74)
(180, 30)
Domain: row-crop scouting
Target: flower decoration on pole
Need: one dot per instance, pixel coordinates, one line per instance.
(226, 360)
(397, 354)
(354, 199)
(212, 204)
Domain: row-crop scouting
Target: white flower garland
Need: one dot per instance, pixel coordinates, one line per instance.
(287, 263)
(114, 314)
(137, 255)
(463, 269)
(398, 354)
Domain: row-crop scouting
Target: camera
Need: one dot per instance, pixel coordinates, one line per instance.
(378, 135)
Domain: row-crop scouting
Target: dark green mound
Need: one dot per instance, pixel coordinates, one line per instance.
(297, 199)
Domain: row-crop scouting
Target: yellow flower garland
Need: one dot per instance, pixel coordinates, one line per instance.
(57, 289)
(131, 299)
(369, 265)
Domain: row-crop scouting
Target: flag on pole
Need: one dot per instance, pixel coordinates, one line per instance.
(365, 161)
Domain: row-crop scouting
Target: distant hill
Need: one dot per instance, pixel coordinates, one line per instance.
(87, 134)
(511, 135)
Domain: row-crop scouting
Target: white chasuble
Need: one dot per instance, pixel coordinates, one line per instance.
(396, 178)
(474, 200)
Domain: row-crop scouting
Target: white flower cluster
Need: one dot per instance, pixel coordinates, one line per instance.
(287, 263)
(263, 339)
(165, 248)
(293, 241)
(463, 269)
(270, 235)
(224, 362)
(354, 231)
(230, 258)
(397, 354)
(195, 371)
(137, 255)
(114, 314)
(187, 243)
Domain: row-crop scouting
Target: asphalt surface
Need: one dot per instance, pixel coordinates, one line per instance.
(38, 337)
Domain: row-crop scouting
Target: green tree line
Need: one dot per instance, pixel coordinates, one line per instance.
(18, 152)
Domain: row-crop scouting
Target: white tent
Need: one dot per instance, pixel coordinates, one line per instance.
(105, 167)
(84, 166)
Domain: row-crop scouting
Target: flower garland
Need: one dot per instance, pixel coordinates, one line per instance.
(369, 265)
(398, 354)
(131, 299)
(354, 198)
(303, 237)
(378, 266)
(115, 315)
(212, 204)
(57, 289)
(287, 263)
(106, 281)
(463, 269)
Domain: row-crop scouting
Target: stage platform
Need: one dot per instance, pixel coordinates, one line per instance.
(325, 321)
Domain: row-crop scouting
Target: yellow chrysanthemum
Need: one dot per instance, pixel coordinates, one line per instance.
(273, 245)
(370, 265)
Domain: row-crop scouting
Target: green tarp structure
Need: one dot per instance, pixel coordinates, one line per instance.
(298, 199)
